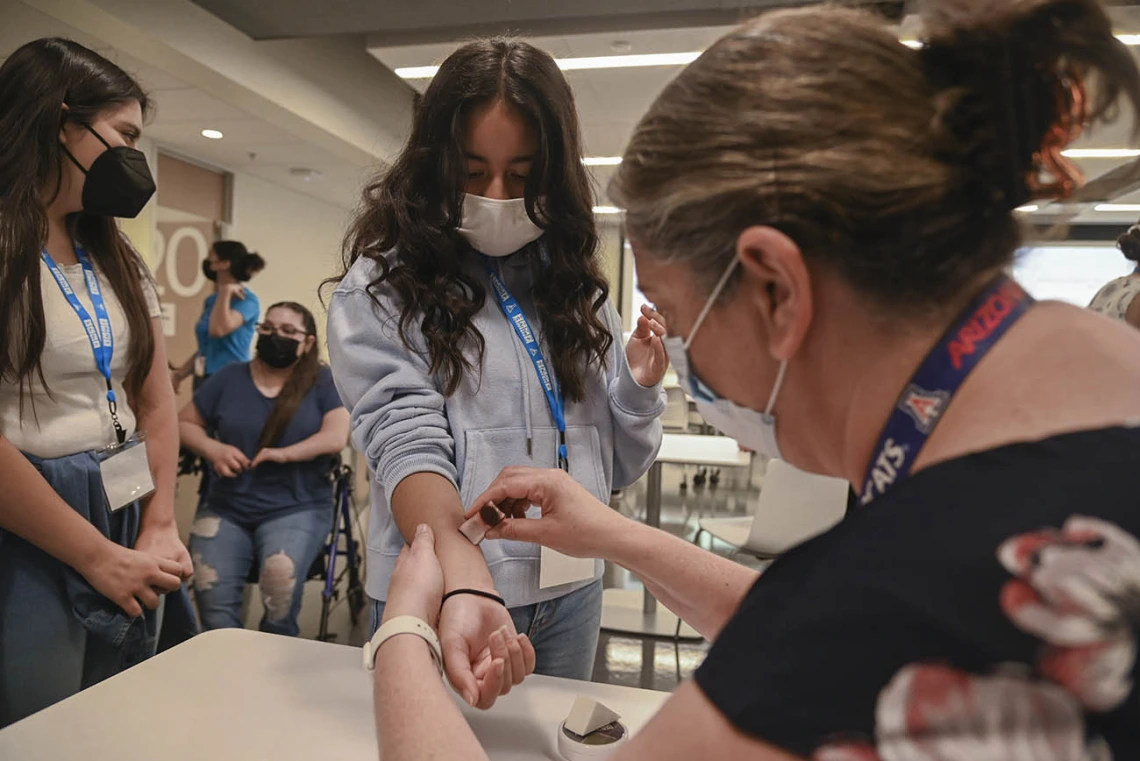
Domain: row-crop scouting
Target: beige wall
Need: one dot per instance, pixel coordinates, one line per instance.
(299, 237)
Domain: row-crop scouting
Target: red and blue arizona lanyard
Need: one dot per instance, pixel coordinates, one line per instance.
(926, 397)
(98, 330)
(529, 338)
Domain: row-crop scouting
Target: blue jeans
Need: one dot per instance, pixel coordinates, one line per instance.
(57, 634)
(224, 550)
(564, 631)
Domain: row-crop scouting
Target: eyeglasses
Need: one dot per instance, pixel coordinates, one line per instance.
(286, 330)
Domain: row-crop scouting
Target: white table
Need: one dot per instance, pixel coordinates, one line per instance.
(237, 695)
(624, 610)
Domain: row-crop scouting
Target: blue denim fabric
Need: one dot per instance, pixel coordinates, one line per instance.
(564, 631)
(224, 554)
(57, 634)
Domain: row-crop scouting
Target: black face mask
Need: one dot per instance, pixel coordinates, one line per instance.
(209, 273)
(277, 351)
(118, 183)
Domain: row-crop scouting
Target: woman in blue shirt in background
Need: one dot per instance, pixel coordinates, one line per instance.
(277, 421)
(229, 316)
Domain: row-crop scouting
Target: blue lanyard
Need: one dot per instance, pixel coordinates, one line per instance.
(517, 319)
(938, 378)
(98, 331)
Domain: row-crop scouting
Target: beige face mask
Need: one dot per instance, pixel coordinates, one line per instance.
(497, 228)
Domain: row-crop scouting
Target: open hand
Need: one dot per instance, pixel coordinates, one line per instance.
(645, 350)
(477, 635)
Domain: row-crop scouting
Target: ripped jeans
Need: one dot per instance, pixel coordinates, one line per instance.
(224, 551)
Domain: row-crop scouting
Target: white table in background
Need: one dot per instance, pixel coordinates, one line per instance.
(237, 695)
(626, 611)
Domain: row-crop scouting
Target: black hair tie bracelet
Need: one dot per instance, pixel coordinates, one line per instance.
(477, 593)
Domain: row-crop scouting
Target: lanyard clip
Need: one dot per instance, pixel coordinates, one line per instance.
(563, 452)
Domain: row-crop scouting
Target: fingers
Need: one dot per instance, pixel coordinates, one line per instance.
(501, 652)
(510, 486)
(516, 661)
(241, 459)
(424, 540)
(130, 606)
(167, 582)
(457, 664)
(167, 565)
(148, 597)
(529, 656)
(652, 314)
(519, 530)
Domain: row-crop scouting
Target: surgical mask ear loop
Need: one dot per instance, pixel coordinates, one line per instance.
(711, 301)
(776, 388)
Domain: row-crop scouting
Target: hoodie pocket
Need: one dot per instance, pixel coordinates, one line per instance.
(488, 451)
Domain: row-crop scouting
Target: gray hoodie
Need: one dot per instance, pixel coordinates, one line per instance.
(404, 424)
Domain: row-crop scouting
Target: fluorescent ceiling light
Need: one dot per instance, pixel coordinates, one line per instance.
(213, 134)
(578, 64)
(1119, 207)
(1127, 39)
(602, 160)
(1027, 209)
(1101, 153)
(607, 210)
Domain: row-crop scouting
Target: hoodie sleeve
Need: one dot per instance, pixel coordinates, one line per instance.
(636, 410)
(398, 420)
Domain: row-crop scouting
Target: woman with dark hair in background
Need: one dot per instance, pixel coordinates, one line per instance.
(826, 217)
(229, 316)
(472, 331)
(87, 416)
(278, 421)
(1118, 298)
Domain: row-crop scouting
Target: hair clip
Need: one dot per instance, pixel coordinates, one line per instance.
(1066, 176)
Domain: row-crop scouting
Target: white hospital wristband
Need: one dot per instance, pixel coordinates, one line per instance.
(403, 625)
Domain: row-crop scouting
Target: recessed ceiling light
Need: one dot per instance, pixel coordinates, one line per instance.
(578, 64)
(1029, 209)
(1101, 153)
(1131, 208)
(607, 210)
(912, 43)
(602, 160)
(213, 134)
(1129, 39)
(305, 175)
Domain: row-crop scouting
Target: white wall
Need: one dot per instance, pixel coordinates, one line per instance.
(300, 238)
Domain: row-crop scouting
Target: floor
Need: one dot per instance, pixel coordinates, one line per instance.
(622, 660)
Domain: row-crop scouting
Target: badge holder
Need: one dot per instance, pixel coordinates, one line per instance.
(125, 471)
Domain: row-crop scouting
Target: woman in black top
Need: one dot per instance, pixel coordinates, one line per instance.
(824, 216)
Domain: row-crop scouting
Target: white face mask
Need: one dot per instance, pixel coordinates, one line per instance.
(497, 228)
(755, 430)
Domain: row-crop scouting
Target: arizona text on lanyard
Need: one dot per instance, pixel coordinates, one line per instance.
(518, 321)
(938, 378)
(98, 331)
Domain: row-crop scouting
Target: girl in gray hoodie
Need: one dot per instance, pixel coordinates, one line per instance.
(472, 331)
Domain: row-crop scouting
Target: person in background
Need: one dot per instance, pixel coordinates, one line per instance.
(278, 422)
(472, 330)
(88, 435)
(826, 218)
(229, 315)
(1118, 298)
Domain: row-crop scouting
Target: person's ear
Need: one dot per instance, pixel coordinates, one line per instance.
(776, 277)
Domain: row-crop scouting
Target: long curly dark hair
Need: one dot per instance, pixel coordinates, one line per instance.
(35, 82)
(415, 207)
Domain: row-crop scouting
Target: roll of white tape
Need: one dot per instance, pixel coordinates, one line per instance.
(596, 745)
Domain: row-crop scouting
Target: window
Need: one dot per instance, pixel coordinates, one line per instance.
(1071, 273)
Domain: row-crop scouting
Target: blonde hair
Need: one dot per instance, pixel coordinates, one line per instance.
(899, 168)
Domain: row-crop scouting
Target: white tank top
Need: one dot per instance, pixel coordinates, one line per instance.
(1115, 298)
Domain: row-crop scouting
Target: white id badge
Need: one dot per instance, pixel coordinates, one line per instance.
(126, 477)
(556, 569)
(199, 366)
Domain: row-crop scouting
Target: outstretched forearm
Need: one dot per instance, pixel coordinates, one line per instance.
(702, 588)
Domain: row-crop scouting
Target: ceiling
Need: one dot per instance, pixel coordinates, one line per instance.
(262, 138)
